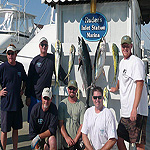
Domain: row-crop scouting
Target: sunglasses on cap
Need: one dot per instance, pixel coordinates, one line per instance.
(72, 88)
(44, 45)
(99, 97)
(125, 46)
(46, 98)
(11, 53)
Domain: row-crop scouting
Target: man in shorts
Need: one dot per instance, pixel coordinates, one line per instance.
(133, 97)
(43, 123)
(12, 74)
(70, 115)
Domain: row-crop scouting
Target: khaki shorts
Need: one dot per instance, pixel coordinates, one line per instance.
(133, 131)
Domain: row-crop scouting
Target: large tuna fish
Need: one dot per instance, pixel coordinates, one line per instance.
(85, 67)
(115, 52)
(58, 52)
(71, 60)
(100, 57)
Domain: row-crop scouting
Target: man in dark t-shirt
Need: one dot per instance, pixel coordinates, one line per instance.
(12, 74)
(40, 74)
(43, 122)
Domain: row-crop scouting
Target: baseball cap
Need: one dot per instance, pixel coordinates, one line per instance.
(47, 92)
(43, 39)
(73, 83)
(10, 48)
(126, 39)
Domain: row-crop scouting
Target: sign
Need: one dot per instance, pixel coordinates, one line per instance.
(93, 26)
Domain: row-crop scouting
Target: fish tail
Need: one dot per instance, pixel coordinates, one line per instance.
(57, 84)
(67, 76)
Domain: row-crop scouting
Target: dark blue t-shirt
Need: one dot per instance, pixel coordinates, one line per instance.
(11, 77)
(40, 74)
(41, 121)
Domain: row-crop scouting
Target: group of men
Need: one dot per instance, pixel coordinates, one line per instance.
(90, 129)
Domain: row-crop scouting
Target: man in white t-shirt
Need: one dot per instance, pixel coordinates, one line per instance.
(99, 129)
(133, 98)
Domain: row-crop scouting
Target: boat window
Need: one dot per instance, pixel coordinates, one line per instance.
(6, 20)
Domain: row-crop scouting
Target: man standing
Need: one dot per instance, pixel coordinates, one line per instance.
(43, 123)
(99, 124)
(133, 98)
(40, 75)
(70, 117)
(12, 74)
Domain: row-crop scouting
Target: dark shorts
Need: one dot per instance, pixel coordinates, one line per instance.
(11, 119)
(33, 102)
(133, 131)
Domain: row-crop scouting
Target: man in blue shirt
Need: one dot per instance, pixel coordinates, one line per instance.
(12, 74)
(43, 123)
(40, 74)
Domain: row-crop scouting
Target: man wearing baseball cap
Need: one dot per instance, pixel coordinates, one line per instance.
(70, 115)
(12, 75)
(43, 123)
(40, 74)
(133, 97)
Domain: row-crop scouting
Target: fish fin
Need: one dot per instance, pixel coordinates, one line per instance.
(103, 71)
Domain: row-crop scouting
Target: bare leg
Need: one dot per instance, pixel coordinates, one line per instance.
(52, 143)
(140, 146)
(15, 139)
(4, 139)
(121, 144)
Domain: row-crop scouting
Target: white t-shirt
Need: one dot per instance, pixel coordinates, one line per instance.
(131, 70)
(100, 126)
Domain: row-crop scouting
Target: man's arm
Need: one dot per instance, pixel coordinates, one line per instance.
(109, 144)
(78, 135)
(86, 142)
(45, 134)
(68, 139)
(114, 89)
(23, 88)
(138, 93)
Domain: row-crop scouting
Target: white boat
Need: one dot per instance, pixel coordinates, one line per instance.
(16, 26)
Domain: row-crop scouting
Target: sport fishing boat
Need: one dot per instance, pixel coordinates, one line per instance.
(16, 26)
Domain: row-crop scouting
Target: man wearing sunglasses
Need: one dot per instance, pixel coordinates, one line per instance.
(43, 123)
(133, 98)
(70, 115)
(12, 74)
(99, 124)
(40, 74)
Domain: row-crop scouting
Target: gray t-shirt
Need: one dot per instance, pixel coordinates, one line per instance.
(72, 114)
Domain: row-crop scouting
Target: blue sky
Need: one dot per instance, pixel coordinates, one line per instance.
(36, 8)
(33, 7)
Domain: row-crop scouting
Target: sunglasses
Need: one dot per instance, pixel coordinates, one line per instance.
(46, 98)
(44, 45)
(72, 88)
(99, 97)
(11, 53)
(125, 46)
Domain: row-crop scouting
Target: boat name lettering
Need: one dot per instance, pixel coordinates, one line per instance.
(93, 20)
